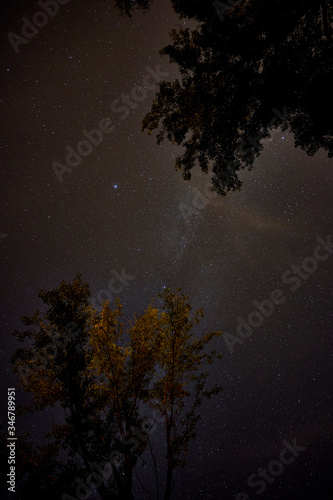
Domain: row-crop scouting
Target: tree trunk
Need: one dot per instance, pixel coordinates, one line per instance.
(127, 492)
(168, 486)
(325, 20)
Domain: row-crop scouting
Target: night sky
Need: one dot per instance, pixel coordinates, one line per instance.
(121, 210)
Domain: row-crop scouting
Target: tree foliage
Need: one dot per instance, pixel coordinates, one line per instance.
(246, 69)
(54, 370)
(107, 375)
(127, 7)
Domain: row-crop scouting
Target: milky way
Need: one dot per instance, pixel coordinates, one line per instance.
(123, 206)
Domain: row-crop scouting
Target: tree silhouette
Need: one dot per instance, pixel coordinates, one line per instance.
(249, 67)
(105, 376)
(54, 370)
(127, 7)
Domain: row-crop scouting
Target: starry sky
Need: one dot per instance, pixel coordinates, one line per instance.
(124, 210)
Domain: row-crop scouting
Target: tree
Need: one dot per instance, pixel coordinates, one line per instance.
(181, 358)
(105, 375)
(75, 362)
(54, 370)
(246, 69)
(124, 371)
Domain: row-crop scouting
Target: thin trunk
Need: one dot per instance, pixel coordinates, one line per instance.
(168, 486)
(325, 20)
(155, 468)
(169, 425)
